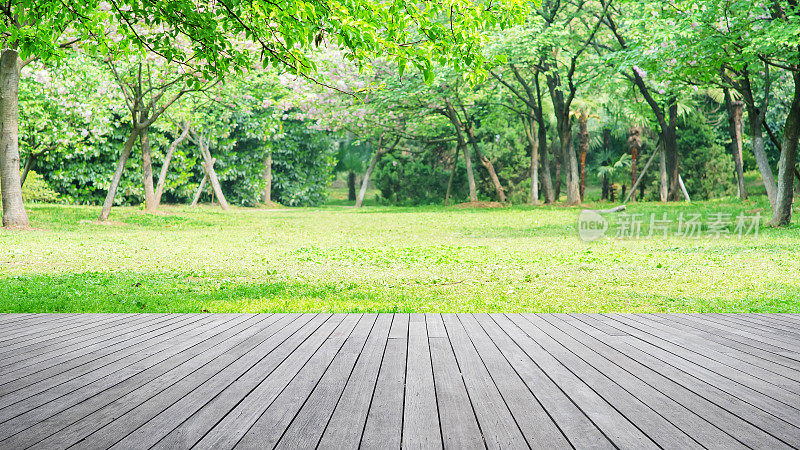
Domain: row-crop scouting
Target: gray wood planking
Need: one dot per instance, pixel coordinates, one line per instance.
(399, 380)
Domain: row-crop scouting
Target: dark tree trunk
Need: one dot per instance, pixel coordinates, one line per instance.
(670, 139)
(782, 211)
(533, 145)
(14, 214)
(547, 180)
(606, 178)
(635, 144)
(28, 166)
(452, 175)
(458, 126)
(266, 194)
(624, 189)
(735, 128)
(351, 186)
(559, 163)
(583, 119)
(487, 164)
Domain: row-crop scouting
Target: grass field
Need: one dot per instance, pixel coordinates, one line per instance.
(386, 259)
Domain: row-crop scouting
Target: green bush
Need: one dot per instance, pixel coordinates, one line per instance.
(706, 167)
(36, 189)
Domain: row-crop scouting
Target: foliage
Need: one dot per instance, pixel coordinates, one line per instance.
(706, 165)
(405, 179)
(302, 165)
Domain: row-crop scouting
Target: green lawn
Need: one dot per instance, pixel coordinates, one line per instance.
(385, 259)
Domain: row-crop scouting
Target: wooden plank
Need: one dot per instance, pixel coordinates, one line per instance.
(533, 420)
(84, 332)
(384, 426)
(641, 406)
(715, 325)
(687, 413)
(717, 407)
(54, 354)
(615, 426)
(736, 348)
(570, 419)
(459, 424)
(307, 426)
(94, 379)
(286, 383)
(420, 415)
(346, 425)
(189, 409)
(700, 372)
(74, 423)
(499, 428)
(93, 356)
(39, 327)
(760, 325)
(399, 329)
(740, 372)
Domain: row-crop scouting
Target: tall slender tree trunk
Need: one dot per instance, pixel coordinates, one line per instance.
(147, 173)
(267, 193)
(583, 136)
(367, 175)
(117, 177)
(452, 175)
(606, 178)
(670, 141)
(351, 186)
(14, 214)
(635, 144)
(559, 165)
(27, 168)
(757, 138)
(547, 180)
(211, 173)
(735, 128)
(487, 164)
(162, 177)
(533, 144)
(571, 162)
(782, 210)
(664, 185)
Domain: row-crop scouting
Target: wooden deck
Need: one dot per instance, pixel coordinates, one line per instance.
(388, 381)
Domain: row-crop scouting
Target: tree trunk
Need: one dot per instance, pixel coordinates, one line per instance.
(547, 180)
(266, 194)
(27, 168)
(351, 186)
(212, 174)
(162, 177)
(147, 173)
(367, 175)
(757, 138)
(452, 175)
(683, 189)
(606, 178)
(559, 164)
(670, 141)
(583, 128)
(735, 128)
(200, 188)
(635, 144)
(14, 214)
(487, 164)
(664, 185)
(573, 177)
(782, 210)
(533, 143)
(112, 189)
